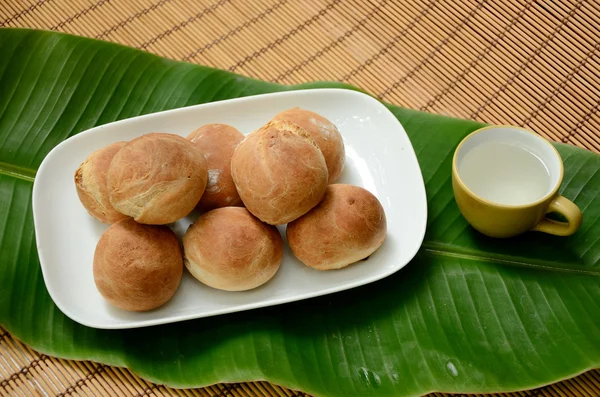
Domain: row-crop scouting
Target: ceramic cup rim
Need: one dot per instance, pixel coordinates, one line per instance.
(532, 204)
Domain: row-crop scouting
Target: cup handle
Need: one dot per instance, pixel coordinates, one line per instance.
(566, 208)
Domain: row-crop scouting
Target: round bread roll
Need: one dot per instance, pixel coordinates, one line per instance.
(229, 249)
(90, 184)
(348, 225)
(325, 134)
(137, 267)
(157, 178)
(279, 172)
(218, 142)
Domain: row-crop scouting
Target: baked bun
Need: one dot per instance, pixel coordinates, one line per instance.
(137, 267)
(157, 178)
(347, 226)
(325, 134)
(218, 142)
(229, 249)
(90, 184)
(279, 172)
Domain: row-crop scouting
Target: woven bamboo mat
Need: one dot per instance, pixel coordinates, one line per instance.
(522, 62)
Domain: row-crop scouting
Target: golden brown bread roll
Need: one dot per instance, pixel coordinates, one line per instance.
(279, 172)
(157, 178)
(218, 142)
(348, 225)
(326, 136)
(90, 184)
(137, 267)
(229, 249)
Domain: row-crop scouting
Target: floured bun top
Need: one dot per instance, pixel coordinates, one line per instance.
(279, 172)
(157, 178)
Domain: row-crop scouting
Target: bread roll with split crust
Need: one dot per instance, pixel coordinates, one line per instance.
(218, 142)
(229, 249)
(137, 267)
(279, 172)
(91, 187)
(325, 134)
(157, 178)
(348, 225)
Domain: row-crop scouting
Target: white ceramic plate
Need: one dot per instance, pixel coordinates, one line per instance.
(379, 157)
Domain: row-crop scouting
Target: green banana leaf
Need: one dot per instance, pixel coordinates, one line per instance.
(468, 314)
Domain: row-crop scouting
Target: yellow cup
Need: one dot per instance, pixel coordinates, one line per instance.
(505, 181)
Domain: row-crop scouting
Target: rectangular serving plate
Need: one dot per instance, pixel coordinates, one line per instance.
(379, 157)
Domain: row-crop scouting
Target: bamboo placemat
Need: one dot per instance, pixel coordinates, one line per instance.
(523, 62)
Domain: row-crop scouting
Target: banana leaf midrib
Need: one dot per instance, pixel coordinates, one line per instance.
(17, 172)
(437, 249)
